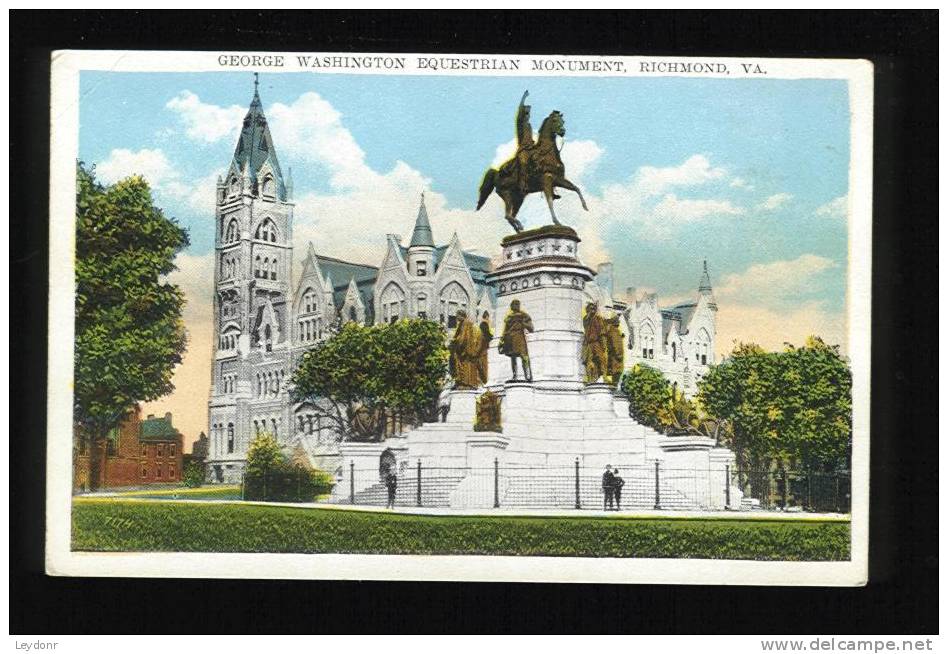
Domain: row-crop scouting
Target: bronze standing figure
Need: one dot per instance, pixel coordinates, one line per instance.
(535, 168)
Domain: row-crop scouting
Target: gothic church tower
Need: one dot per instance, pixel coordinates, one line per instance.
(252, 321)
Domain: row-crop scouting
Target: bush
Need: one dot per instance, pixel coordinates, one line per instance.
(194, 475)
(285, 483)
(271, 478)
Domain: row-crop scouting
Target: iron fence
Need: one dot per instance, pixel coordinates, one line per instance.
(645, 486)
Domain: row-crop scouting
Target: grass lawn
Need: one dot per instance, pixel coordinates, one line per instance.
(135, 525)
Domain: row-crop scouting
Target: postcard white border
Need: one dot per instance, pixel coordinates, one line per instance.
(64, 149)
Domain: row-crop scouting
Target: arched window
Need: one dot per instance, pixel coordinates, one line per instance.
(352, 313)
(703, 347)
(232, 233)
(230, 438)
(266, 231)
(453, 298)
(234, 185)
(256, 267)
(392, 299)
(647, 339)
(268, 185)
(674, 352)
(268, 338)
(273, 269)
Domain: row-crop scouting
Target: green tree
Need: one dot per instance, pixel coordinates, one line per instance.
(650, 395)
(129, 335)
(263, 454)
(363, 377)
(790, 408)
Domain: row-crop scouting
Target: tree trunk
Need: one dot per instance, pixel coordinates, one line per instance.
(95, 458)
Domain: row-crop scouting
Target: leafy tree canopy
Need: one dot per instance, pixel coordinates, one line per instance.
(650, 395)
(790, 408)
(129, 333)
(362, 376)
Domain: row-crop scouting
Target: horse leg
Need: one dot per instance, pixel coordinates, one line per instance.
(512, 204)
(548, 192)
(565, 183)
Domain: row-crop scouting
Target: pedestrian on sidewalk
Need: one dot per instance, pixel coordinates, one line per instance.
(608, 488)
(391, 484)
(617, 484)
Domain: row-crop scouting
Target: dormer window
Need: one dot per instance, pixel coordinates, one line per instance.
(268, 186)
(234, 185)
(421, 268)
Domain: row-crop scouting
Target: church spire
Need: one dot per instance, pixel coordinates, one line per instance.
(422, 235)
(255, 145)
(704, 286)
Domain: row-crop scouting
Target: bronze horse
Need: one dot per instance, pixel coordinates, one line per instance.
(536, 167)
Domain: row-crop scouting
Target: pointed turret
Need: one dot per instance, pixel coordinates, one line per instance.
(422, 235)
(255, 146)
(704, 286)
(421, 249)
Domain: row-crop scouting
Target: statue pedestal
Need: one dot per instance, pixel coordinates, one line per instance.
(541, 268)
(557, 421)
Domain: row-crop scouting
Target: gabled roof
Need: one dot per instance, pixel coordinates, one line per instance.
(255, 145)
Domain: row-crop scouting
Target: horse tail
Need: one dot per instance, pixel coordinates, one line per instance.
(487, 185)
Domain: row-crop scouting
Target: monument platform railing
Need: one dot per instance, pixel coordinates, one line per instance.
(647, 486)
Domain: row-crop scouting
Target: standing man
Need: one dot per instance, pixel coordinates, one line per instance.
(616, 351)
(465, 351)
(391, 485)
(608, 488)
(617, 484)
(595, 347)
(513, 342)
(486, 335)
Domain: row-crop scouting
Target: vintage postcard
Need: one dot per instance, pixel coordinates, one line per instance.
(459, 317)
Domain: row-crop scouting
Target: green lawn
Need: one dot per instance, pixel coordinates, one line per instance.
(135, 525)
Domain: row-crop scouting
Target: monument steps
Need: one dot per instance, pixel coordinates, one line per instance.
(560, 492)
(435, 492)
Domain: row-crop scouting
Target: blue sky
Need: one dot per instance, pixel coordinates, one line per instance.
(750, 174)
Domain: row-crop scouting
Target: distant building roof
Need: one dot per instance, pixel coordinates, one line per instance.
(158, 429)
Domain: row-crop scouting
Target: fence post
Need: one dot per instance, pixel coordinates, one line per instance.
(578, 504)
(352, 482)
(496, 483)
(727, 486)
(786, 488)
(658, 494)
(836, 497)
(809, 494)
(418, 485)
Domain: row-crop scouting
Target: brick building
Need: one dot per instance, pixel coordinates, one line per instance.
(161, 448)
(134, 453)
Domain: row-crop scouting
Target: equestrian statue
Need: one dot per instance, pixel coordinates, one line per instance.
(536, 167)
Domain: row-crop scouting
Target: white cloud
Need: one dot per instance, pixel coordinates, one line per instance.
(836, 208)
(695, 171)
(674, 209)
(776, 283)
(647, 204)
(740, 182)
(198, 196)
(775, 201)
(153, 165)
(204, 122)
